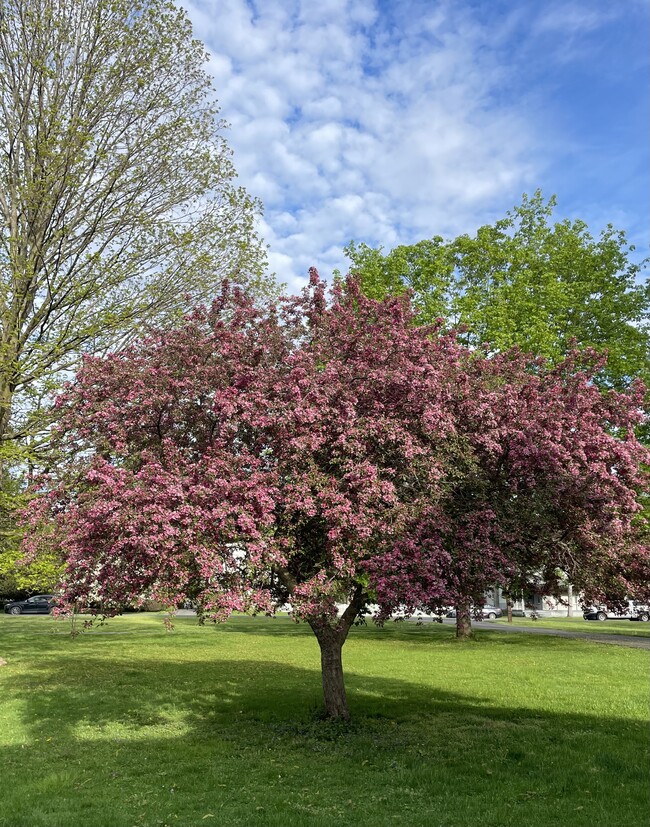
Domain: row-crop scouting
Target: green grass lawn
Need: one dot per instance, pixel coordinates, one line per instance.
(129, 725)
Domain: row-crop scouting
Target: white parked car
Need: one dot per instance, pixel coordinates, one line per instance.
(487, 612)
(634, 611)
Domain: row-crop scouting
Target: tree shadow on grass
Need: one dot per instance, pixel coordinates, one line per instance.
(284, 626)
(50, 632)
(231, 742)
(401, 631)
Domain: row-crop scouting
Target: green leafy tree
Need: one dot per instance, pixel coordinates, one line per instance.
(526, 281)
(119, 207)
(40, 574)
(118, 204)
(426, 269)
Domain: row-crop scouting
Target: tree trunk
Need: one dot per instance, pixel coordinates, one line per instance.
(5, 415)
(336, 702)
(331, 637)
(5, 406)
(463, 621)
(509, 607)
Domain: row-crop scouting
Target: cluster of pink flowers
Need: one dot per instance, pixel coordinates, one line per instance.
(319, 449)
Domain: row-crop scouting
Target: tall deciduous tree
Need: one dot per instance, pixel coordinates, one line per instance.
(333, 453)
(117, 196)
(529, 282)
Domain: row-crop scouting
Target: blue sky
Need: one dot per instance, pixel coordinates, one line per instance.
(389, 122)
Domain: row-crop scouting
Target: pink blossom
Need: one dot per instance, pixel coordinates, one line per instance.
(317, 450)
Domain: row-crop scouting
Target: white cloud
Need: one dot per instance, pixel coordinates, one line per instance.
(569, 18)
(349, 125)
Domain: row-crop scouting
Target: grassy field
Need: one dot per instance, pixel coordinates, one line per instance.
(128, 726)
(577, 624)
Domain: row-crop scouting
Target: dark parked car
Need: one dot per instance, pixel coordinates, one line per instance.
(488, 612)
(39, 604)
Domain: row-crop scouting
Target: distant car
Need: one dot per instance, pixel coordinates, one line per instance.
(634, 611)
(641, 613)
(39, 604)
(487, 612)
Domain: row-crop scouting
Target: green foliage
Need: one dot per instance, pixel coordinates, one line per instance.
(119, 207)
(118, 200)
(40, 575)
(425, 268)
(530, 282)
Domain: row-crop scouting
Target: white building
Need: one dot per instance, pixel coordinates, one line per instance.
(540, 605)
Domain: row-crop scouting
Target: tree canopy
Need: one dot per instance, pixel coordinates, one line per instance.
(527, 281)
(324, 452)
(118, 203)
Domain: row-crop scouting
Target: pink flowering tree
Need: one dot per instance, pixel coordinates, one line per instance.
(548, 489)
(326, 453)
